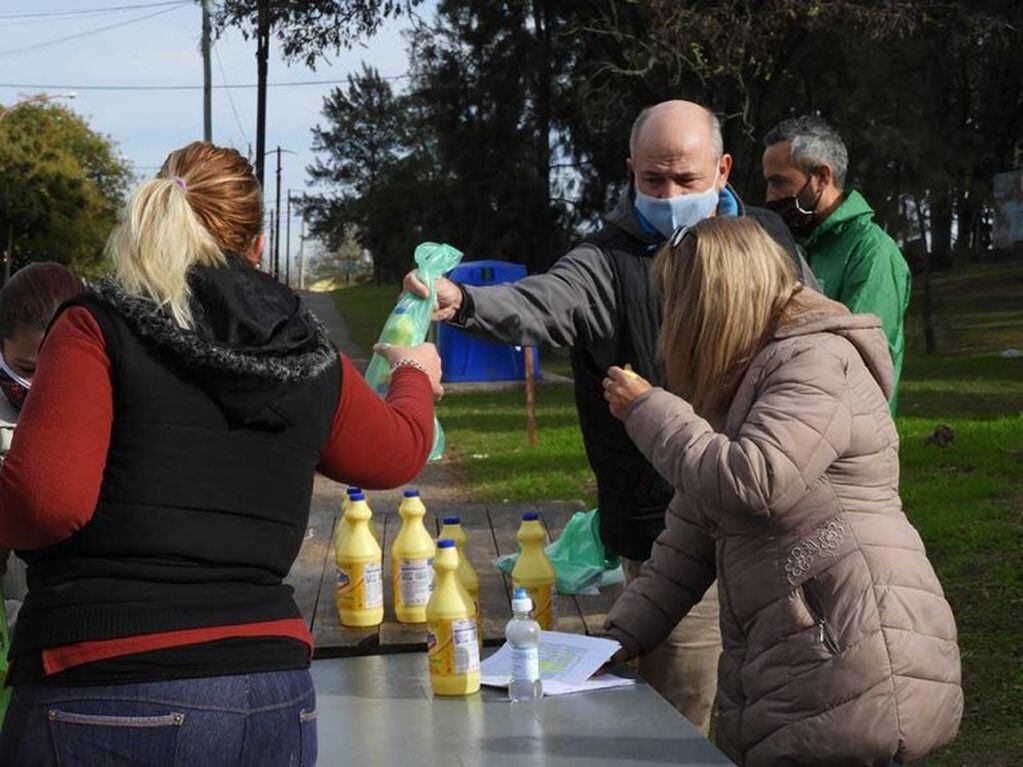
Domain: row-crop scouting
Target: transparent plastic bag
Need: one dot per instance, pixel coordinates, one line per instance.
(409, 322)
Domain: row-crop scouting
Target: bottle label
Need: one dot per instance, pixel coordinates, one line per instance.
(453, 647)
(525, 664)
(360, 586)
(414, 582)
(545, 606)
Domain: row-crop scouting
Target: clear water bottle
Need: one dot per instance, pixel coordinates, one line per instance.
(523, 634)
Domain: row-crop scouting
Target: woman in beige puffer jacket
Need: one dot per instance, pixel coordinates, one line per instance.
(838, 645)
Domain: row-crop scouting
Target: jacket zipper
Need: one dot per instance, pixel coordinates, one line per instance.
(825, 634)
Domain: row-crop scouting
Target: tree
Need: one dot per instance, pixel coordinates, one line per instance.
(341, 264)
(61, 185)
(482, 82)
(372, 180)
(307, 29)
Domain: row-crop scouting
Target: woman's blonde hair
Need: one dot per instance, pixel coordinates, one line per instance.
(204, 202)
(724, 287)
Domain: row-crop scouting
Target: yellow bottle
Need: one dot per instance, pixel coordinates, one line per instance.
(360, 592)
(534, 572)
(466, 572)
(345, 525)
(451, 632)
(412, 562)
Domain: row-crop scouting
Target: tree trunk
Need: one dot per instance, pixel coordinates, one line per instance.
(930, 343)
(542, 105)
(940, 252)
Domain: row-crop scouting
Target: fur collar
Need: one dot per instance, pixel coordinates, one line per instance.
(306, 354)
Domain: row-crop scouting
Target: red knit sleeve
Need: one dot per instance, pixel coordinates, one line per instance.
(51, 479)
(375, 443)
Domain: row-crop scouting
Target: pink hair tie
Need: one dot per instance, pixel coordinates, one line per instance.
(180, 182)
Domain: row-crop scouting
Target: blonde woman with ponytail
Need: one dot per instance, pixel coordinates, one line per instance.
(159, 489)
(838, 644)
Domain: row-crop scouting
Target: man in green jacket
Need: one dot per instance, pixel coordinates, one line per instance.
(853, 258)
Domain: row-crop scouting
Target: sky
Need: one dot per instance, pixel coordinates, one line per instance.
(164, 50)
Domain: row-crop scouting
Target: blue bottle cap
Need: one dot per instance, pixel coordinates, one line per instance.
(411, 493)
(530, 516)
(520, 593)
(353, 490)
(357, 497)
(445, 543)
(452, 521)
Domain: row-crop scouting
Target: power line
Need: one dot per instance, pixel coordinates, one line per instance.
(11, 21)
(230, 98)
(222, 86)
(4, 15)
(89, 32)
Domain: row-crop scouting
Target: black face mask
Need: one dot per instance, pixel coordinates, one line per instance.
(800, 219)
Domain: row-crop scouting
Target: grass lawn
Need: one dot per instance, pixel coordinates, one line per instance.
(965, 499)
(364, 308)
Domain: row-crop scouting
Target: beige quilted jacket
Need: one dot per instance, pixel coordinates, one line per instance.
(839, 646)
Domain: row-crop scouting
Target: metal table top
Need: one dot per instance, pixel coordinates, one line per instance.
(378, 710)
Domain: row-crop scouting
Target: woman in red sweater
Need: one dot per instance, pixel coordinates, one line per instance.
(158, 489)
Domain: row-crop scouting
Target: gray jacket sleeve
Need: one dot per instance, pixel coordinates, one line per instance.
(573, 302)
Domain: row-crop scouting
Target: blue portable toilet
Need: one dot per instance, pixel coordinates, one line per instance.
(467, 357)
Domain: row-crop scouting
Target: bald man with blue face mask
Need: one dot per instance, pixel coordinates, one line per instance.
(597, 301)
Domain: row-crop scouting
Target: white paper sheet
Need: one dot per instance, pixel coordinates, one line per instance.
(567, 664)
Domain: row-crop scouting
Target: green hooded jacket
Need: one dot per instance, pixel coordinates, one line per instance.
(859, 265)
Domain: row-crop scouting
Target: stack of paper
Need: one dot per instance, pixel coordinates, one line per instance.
(567, 664)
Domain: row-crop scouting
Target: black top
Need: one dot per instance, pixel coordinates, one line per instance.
(631, 495)
(204, 503)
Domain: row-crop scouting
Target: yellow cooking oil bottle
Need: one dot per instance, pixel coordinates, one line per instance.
(451, 628)
(360, 586)
(412, 561)
(466, 572)
(534, 572)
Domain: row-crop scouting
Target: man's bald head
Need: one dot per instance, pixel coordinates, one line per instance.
(676, 149)
(661, 122)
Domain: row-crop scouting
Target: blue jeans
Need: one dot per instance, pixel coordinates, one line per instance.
(257, 720)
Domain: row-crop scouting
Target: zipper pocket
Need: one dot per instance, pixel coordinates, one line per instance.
(825, 634)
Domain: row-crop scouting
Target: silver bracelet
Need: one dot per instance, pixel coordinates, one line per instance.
(406, 362)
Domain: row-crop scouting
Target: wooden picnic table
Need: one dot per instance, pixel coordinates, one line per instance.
(491, 532)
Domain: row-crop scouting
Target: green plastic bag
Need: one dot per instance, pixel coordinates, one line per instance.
(581, 561)
(410, 322)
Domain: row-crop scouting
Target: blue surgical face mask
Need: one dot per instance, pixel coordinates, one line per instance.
(666, 215)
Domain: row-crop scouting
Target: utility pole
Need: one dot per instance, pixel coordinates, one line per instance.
(262, 57)
(277, 242)
(270, 251)
(287, 245)
(301, 255)
(207, 83)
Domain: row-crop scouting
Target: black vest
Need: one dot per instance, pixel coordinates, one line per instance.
(205, 494)
(631, 495)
